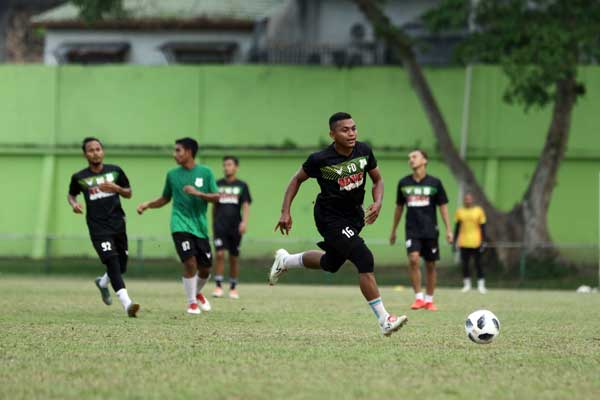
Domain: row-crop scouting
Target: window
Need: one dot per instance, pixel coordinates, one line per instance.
(199, 52)
(92, 53)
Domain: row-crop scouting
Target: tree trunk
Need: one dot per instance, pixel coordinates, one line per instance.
(526, 224)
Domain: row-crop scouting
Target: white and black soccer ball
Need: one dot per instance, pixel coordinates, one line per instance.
(482, 326)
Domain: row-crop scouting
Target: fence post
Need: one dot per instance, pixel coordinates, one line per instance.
(140, 254)
(47, 247)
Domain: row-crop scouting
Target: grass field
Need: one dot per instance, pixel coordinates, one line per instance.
(58, 341)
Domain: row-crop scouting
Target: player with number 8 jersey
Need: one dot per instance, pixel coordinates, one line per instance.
(340, 170)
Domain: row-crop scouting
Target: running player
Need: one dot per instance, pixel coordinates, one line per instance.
(191, 187)
(230, 220)
(470, 233)
(340, 171)
(421, 194)
(101, 185)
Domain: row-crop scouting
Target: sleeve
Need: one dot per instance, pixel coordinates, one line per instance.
(371, 161)
(311, 166)
(482, 218)
(167, 190)
(400, 199)
(441, 197)
(74, 188)
(212, 183)
(122, 179)
(246, 197)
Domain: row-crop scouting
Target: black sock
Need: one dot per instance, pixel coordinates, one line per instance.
(218, 280)
(232, 283)
(113, 269)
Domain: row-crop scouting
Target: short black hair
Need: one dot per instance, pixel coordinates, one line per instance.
(189, 144)
(423, 153)
(235, 160)
(90, 139)
(338, 116)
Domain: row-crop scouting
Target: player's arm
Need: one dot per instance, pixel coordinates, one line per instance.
(397, 217)
(210, 197)
(245, 216)
(156, 203)
(75, 205)
(446, 219)
(111, 187)
(285, 220)
(373, 210)
(456, 229)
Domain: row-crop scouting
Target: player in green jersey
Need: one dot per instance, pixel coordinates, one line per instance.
(191, 187)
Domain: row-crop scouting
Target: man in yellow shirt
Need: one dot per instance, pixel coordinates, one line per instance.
(470, 229)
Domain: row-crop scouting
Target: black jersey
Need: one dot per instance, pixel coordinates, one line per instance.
(341, 179)
(421, 199)
(104, 213)
(232, 196)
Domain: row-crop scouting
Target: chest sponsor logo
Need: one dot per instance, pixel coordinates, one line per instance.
(96, 193)
(92, 184)
(199, 182)
(349, 174)
(230, 194)
(418, 196)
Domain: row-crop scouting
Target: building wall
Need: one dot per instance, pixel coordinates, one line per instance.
(272, 117)
(145, 46)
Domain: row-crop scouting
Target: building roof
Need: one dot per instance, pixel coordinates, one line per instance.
(158, 14)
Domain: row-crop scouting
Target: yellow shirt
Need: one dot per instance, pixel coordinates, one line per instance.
(470, 219)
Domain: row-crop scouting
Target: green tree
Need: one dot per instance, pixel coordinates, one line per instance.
(538, 44)
(96, 10)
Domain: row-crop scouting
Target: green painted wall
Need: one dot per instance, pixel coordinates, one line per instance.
(139, 111)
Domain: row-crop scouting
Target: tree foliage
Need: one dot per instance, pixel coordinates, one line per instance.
(96, 10)
(536, 42)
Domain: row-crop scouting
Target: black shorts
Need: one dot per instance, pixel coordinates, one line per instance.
(108, 246)
(427, 248)
(227, 239)
(188, 245)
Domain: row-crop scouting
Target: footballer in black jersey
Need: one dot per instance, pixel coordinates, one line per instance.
(102, 185)
(230, 220)
(341, 170)
(421, 195)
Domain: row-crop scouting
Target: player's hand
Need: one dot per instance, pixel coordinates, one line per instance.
(393, 238)
(372, 212)
(285, 224)
(141, 208)
(483, 246)
(242, 228)
(449, 237)
(189, 189)
(77, 208)
(109, 187)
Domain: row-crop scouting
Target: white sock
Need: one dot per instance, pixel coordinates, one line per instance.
(419, 296)
(124, 298)
(428, 298)
(467, 282)
(294, 261)
(104, 281)
(201, 283)
(481, 283)
(378, 309)
(189, 285)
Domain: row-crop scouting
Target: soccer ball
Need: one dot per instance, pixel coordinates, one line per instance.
(482, 326)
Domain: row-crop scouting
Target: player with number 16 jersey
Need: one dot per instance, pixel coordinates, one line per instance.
(340, 170)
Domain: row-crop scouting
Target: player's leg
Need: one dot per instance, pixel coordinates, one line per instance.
(234, 264)
(219, 271)
(413, 250)
(431, 254)
(362, 257)
(204, 260)
(104, 248)
(219, 243)
(480, 277)
(284, 261)
(185, 247)
(122, 247)
(464, 258)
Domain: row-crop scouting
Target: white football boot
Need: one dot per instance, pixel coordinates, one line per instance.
(278, 267)
(481, 286)
(392, 324)
(203, 302)
(466, 285)
(193, 309)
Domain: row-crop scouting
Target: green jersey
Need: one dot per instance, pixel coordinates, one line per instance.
(189, 212)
